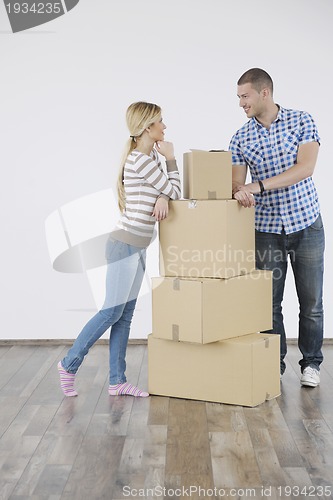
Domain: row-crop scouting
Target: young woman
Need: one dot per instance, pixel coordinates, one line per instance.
(144, 189)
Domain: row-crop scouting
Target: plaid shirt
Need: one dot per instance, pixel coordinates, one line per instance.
(268, 153)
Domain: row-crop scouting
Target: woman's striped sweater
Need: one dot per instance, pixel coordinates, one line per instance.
(144, 181)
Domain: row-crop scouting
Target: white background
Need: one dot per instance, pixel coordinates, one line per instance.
(64, 89)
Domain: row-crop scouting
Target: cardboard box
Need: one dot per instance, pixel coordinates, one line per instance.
(207, 175)
(242, 371)
(207, 239)
(206, 310)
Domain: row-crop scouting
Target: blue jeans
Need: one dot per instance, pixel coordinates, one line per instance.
(125, 271)
(305, 250)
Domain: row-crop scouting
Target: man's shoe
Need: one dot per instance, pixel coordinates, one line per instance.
(310, 377)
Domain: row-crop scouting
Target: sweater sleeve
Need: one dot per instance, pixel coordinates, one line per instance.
(166, 183)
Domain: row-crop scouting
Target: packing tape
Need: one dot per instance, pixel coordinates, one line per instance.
(175, 333)
(266, 343)
(176, 284)
(212, 195)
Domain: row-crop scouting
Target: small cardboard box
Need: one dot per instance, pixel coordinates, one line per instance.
(207, 239)
(204, 310)
(207, 175)
(241, 371)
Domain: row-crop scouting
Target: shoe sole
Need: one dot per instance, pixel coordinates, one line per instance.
(310, 384)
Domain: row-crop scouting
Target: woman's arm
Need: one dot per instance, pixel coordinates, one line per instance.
(167, 184)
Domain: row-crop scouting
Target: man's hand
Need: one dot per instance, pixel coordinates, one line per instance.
(244, 194)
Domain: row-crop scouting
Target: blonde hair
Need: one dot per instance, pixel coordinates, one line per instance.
(139, 116)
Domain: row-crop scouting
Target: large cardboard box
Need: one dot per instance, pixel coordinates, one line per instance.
(241, 371)
(207, 238)
(207, 175)
(206, 310)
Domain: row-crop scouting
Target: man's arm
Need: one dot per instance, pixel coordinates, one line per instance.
(243, 196)
(238, 176)
(303, 168)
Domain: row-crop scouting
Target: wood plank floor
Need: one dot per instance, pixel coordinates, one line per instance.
(100, 447)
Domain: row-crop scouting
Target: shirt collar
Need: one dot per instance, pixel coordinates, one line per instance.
(281, 116)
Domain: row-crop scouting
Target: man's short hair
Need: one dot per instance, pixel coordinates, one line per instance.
(258, 78)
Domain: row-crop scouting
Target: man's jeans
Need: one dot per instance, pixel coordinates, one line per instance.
(306, 252)
(125, 271)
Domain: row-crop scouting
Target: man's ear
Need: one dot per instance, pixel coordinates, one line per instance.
(265, 92)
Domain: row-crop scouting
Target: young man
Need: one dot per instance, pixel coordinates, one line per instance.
(280, 147)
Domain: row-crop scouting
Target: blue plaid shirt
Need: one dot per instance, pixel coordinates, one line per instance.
(270, 152)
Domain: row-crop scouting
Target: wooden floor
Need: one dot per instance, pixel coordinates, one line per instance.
(100, 447)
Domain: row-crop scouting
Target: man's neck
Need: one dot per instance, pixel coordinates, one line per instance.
(269, 116)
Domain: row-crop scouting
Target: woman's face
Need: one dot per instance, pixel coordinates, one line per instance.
(156, 130)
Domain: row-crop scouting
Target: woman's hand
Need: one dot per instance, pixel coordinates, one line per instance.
(161, 209)
(166, 149)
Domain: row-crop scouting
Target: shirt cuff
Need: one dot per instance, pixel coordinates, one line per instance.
(172, 165)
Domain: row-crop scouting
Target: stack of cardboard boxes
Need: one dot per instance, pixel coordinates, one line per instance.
(209, 302)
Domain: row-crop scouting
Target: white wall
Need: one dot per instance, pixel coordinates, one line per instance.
(64, 89)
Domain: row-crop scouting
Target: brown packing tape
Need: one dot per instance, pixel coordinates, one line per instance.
(176, 284)
(212, 195)
(175, 333)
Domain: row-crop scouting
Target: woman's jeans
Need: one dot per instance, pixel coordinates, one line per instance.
(306, 252)
(125, 271)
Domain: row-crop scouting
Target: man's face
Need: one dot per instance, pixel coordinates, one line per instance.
(250, 100)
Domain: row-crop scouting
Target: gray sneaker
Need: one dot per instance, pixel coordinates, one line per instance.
(310, 377)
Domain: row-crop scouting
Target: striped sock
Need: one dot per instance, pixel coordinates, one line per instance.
(66, 381)
(126, 389)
